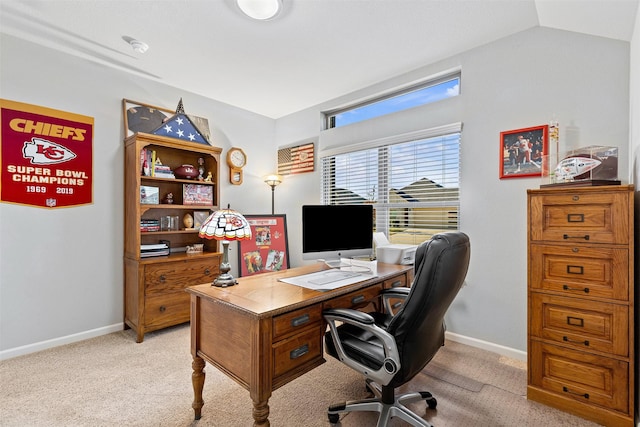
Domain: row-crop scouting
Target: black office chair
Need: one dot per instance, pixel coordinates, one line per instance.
(390, 349)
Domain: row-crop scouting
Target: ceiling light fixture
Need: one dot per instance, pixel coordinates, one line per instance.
(260, 9)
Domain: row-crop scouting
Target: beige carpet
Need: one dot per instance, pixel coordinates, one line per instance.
(112, 381)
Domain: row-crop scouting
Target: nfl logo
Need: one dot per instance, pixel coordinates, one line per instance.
(51, 202)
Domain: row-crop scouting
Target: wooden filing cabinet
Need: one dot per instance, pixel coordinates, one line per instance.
(581, 325)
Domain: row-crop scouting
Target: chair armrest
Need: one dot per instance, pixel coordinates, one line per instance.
(393, 293)
(364, 321)
(342, 314)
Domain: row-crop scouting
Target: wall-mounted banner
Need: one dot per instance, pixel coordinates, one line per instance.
(46, 156)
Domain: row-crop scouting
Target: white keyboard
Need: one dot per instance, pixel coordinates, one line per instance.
(333, 276)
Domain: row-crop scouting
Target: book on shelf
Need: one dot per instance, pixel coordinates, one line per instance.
(158, 249)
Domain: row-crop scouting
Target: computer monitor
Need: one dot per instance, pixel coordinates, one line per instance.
(331, 232)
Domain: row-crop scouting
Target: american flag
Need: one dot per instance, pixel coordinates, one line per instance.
(180, 126)
(294, 160)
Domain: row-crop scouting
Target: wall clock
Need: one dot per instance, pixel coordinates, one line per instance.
(236, 159)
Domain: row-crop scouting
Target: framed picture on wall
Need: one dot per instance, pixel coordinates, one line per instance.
(268, 248)
(522, 151)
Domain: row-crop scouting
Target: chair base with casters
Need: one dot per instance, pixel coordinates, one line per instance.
(388, 406)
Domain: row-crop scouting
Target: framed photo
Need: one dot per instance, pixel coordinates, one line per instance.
(139, 117)
(199, 217)
(522, 151)
(268, 249)
(149, 195)
(197, 194)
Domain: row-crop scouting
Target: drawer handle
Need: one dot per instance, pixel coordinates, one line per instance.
(300, 320)
(575, 269)
(566, 390)
(575, 321)
(575, 218)
(299, 352)
(207, 272)
(569, 288)
(585, 342)
(566, 236)
(396, 305)
(396, 284)
(163, 278)
(163, 309)
(357, 299)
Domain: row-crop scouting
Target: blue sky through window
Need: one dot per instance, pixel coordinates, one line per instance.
(401, 102)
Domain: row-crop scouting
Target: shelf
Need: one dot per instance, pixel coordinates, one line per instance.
(148, 233)
(177, 180)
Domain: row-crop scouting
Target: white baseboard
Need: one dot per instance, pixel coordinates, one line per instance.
(495, 348)
(43, 345)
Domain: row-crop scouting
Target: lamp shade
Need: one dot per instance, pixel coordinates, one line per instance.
(225, 224)
(260, 9)
(273, 180)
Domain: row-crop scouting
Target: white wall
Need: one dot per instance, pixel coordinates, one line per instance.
(60, 281)
(61, 270)
(516, 82)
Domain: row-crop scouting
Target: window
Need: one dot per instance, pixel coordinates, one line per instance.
(413, 185)
(434, 90)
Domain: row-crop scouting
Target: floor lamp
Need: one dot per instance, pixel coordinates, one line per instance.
(273, 181)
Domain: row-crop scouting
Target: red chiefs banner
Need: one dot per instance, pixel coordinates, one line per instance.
(46, 156)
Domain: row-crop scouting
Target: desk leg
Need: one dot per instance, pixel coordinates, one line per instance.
(261, 413)
(197, 379)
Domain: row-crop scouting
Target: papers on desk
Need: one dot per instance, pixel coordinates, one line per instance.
(327, 279)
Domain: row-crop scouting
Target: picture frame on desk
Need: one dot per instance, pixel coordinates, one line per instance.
(522, 151)
(268, 248)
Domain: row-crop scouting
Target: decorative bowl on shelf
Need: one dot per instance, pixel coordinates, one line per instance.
(185, 172)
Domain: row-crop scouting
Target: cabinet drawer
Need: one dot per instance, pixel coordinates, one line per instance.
(580, 323)
(579, 270)
(180, 274)
(296, 320)
(170, 308)
(578, 217)
(584, 377)
(293, 352)
(357, 299)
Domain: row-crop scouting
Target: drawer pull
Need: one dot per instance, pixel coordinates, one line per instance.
(585, 342)
(566, 390)
(357, 299)
(299, 352)
(396, 305)
(566, 236)
(396, 284)
(300, 320)
(207, 272)
(569, 288)
(575, 321)
(163, 278)
(575, 269)
(575, 218)
(163, 309)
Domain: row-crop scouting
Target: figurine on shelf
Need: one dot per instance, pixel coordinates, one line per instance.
(201, 169)
(209, 177)
(168, 199)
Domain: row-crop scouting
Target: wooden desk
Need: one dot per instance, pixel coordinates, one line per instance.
(264, 333)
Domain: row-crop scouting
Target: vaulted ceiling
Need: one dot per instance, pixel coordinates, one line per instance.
(314, 51)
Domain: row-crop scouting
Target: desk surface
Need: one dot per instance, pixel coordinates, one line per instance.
(264, 295)
(264, 333)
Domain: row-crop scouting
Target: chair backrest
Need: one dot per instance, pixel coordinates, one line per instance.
(440, 269)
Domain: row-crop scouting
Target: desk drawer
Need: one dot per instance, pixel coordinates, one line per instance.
(358, 299)
(582, 324)
(581, 376)
(396, 282)
(294, 321)
(180, 274)
(293, 352)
